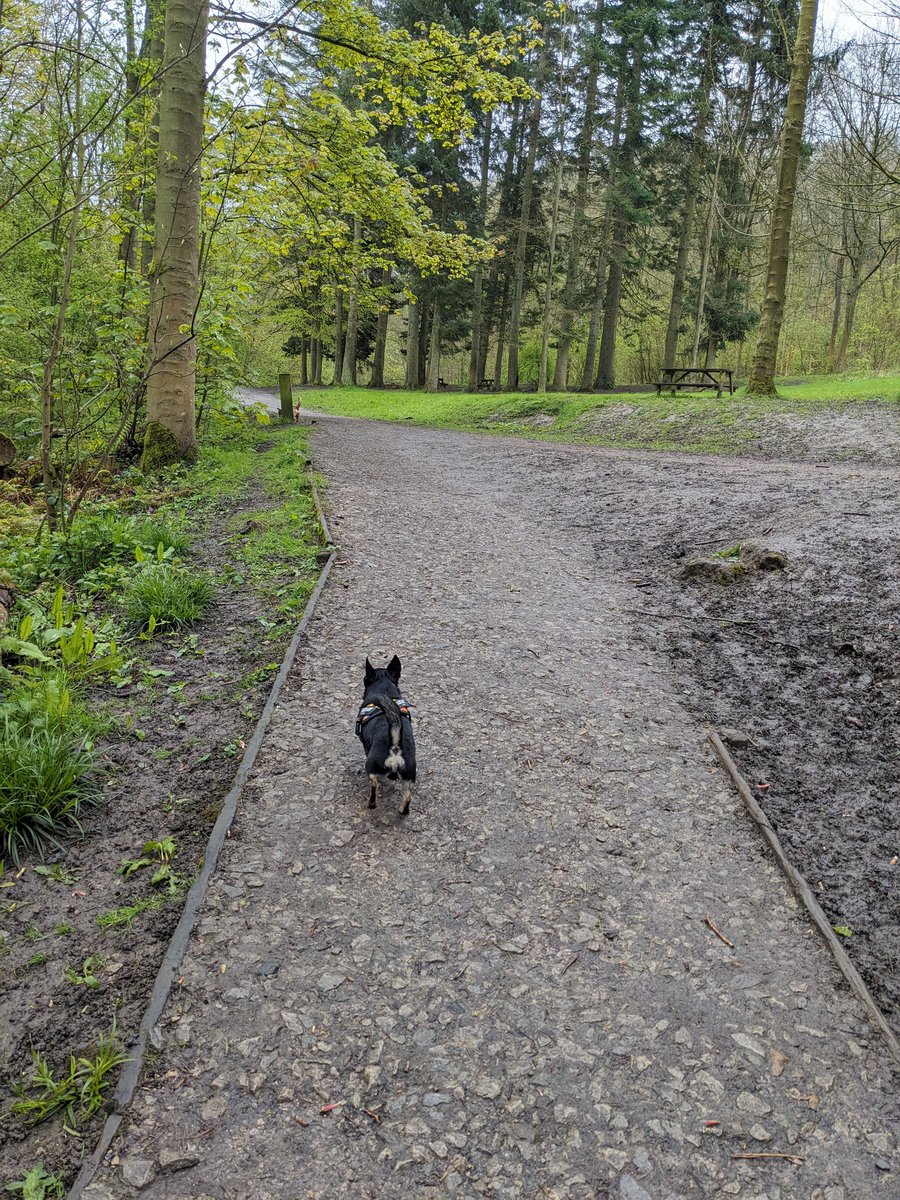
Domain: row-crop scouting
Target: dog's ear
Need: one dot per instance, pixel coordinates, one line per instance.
(370, 673)
(393, 669)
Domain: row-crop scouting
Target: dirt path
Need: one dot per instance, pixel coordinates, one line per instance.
(513, 992)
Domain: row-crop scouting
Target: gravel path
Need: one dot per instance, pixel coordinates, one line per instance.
(512, 993)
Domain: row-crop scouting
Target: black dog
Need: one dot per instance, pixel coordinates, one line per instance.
(384, 727)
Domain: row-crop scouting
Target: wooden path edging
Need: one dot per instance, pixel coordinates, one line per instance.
(806, 897)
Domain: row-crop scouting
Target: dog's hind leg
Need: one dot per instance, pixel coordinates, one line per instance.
(375, 794)
(405, 798)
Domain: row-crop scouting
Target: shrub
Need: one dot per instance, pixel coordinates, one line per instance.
(162, 594)
(44, 779)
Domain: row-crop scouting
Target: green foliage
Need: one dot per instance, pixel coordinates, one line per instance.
(101, 538)
(159, 855)
(50, 634)
(45, 770)
(38, 1184)
(78, 1093)
(88, 975)
(162, 594)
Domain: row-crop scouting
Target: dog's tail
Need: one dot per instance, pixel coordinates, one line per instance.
(394, 760)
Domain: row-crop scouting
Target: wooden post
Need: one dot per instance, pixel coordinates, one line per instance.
(287, 397)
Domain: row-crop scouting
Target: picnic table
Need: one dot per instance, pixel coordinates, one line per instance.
(676, 379)
(486, 384)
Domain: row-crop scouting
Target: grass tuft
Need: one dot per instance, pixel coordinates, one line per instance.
(44, 779)
(78, 1093)
(162, 594)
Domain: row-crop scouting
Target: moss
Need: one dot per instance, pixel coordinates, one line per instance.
(162, 449)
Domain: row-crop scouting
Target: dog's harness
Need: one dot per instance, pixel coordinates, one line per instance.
(367, 711)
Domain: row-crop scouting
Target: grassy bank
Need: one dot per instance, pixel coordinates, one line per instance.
(697, 422)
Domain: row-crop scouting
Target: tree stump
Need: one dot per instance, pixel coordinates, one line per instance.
(7, 451)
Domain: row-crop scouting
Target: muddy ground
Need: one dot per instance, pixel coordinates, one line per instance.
(805, 660)
(179, 730)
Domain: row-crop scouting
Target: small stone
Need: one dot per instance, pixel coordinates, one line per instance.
(641, 1160)
(285, 1096)
(630, 1189)
(736, 737)
(778, 1061)
(488, 1088)
(267, 968)
(329, 981)
(156, 1038)
(759, 1134)
(752, 1105)
(516, 945)
(177, 1160)
(746, 1042)
(433, 1099)
(138, 1173)
(439, 1149)
(214, 1108)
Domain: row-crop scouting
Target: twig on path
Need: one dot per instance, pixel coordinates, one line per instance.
(570, 963)
(707, 920)
(792, 1158)
(459, 974)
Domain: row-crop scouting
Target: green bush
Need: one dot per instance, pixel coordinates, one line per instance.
(162, 594)
(45, 762)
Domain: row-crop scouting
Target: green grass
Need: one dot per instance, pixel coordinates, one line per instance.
(44, 779)
(697, 422)
(162, 594)
(78, 1093)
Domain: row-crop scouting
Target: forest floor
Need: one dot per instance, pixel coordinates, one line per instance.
(80, 942)
(841, 420)
(514, 992)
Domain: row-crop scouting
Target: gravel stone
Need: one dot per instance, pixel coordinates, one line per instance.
(138, 1173)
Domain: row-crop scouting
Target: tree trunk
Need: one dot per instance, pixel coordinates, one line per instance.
(381, 333)
(515, 318)
(304, 368)
(475, 371)
(501, 336)
(704, 264)
(434, 354)
(349, 372)
(836, 314)
(338, 379)
(840, 358)
(316, 365)
(413, 330)
(606, 372)
(762, 375)
(687, 229)
(619, 214)
(590, 350)
(568, 313)
(175, 284)
(422, 357)
(154, 26)
(551, 262)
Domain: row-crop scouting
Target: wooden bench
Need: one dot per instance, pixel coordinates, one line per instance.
(486, 384)
(676, 379)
